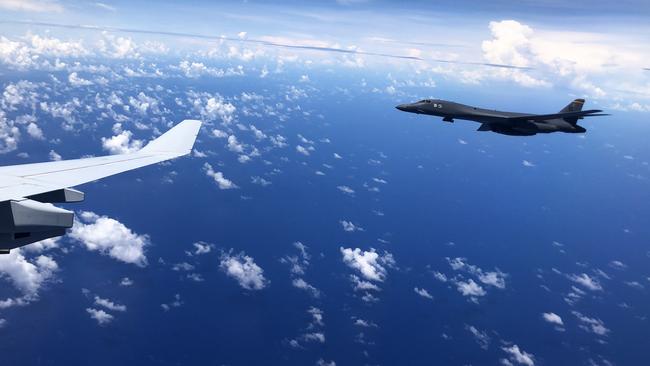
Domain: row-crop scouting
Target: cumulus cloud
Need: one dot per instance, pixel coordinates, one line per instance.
(423, 292)
(586, 281)
(345, 189)
(34, 131)
(303, 285)
(553, 318)
(54, 156)
(108, 304)
(470, 288)
(43, 245)
(527, 163)
(9, 134)
(244, 270)
(302, 150)
(197, 69)
(519, 356)
(213, 107)
(494, 278)
(349, 226)
(222, 182)
(122, 143)
(370, 264)
(219, 134)
(234, 145)
(75, 80)
(592, 325)
(27, 275)
(102, 317)
(201, 248)
(480, 337)
(298, 265)
(110, 237)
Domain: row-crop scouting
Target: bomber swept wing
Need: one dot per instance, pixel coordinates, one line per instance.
(27, 191)
(546, 117)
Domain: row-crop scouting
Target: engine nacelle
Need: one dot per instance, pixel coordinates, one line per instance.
(27, 221)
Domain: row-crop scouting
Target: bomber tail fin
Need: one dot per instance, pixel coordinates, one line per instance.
(575, 106)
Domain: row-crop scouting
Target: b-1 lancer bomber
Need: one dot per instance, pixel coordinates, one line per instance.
(506, 123)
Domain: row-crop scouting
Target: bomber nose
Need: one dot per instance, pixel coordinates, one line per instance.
(403, 107)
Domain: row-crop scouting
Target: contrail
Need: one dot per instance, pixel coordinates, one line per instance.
(259, 42)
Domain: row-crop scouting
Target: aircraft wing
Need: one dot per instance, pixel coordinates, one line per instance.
(544, 117)
(27, 191)
(18, 181)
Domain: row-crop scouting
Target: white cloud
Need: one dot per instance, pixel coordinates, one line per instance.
(553, 318)
(586, 281)
(519, 356)
(9, 134)
(618, 265)
(43, 245)
(177, 302)
(362, 285)
(423, 292)
(301, 149)
(118, 47)
(122, 143)
(105, 6)
(593, 325)
(100, 316)
(126, 282)
(440, 276)
(261, 181)
(527, 163)
(54, 156)
(222, 182)
(219, 134)
(110, 237)
(346, 190)
(144, 104)
(108, 304)
(510, 44)
(259, 135)
(34, 131)
(27, 275)
(480, 337)
(493, 278)
(234, 145)
(202, 248)
(470, 288)
(370, 264)
(349, 226)
(216, 107)
(75, 80)
(314, 337)
(322, 362)
(243, 269)
(303, 285)
(39, 6)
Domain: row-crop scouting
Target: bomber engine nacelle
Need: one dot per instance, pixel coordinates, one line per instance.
(33, 219)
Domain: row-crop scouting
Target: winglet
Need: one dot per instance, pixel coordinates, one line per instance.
(178, 140)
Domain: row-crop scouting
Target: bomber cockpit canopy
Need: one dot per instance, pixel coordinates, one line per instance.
(425, 101)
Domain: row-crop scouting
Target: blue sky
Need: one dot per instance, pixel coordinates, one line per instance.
(594, 50)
